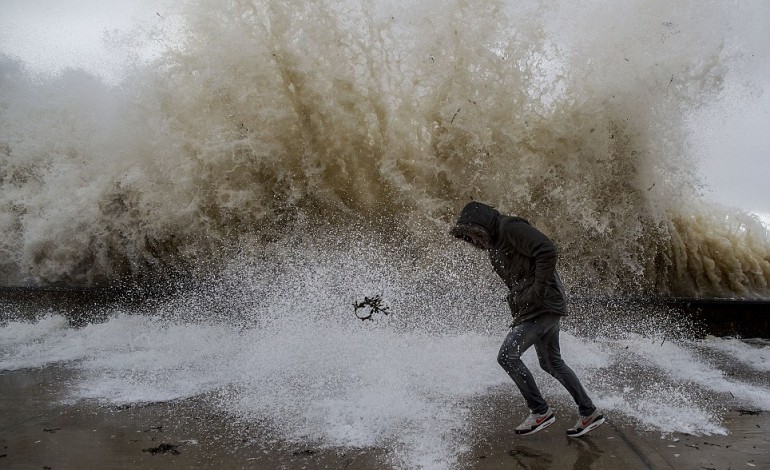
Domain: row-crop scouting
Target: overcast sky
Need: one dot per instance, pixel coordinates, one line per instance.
(733, 145)
(735, 153)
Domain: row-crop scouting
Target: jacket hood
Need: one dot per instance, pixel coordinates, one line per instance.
(476, 224)
(480, 214)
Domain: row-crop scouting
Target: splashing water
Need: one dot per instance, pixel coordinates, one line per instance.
(256, 113)
(276, 340)
(293, 159)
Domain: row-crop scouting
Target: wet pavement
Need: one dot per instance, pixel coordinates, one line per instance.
(39, 430)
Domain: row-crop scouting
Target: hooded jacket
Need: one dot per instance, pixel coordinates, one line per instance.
(523, 257)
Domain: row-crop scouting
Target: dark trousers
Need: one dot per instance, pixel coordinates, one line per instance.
(542, 332)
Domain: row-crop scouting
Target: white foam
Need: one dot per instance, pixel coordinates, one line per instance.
(663, 409)
(357, 387)
(756, 356)
(679, 363)
(342, 385)
(276, 339)
(349, 383)
(26, 345)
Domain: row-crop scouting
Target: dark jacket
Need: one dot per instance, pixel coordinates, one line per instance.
(522, 256)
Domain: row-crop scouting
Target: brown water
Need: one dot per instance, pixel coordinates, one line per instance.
(260, 118)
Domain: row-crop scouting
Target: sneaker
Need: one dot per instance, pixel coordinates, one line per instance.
(586, 424)
(536, 422)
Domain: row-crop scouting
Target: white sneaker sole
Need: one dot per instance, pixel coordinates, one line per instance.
(540, 427)
(589, 428)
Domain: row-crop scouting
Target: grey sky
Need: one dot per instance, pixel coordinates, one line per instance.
(735, 152)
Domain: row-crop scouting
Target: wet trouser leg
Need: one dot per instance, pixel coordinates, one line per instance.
(543, 333)
(549, 355)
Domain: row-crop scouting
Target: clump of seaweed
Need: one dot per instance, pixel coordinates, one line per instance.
(374, 304)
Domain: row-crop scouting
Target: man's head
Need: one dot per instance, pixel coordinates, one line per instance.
(476, 223)
(472, 234)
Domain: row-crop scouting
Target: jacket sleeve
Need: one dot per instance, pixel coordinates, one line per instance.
(532, 243)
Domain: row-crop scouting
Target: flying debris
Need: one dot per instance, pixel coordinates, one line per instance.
(374, 304)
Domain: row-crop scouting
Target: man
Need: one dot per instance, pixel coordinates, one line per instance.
(525, 259)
